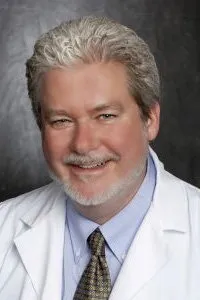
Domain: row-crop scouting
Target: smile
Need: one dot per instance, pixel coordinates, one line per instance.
(89, 168)
(92, 166)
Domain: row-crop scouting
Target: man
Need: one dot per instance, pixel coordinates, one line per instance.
(114, 224)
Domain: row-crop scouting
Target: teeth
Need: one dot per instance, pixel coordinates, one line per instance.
(92, 166)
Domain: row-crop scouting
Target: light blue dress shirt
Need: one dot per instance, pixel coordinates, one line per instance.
(118, 232)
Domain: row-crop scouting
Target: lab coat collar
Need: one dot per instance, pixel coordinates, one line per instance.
(170, 199)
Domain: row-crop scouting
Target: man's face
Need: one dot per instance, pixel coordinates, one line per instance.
(94, 139)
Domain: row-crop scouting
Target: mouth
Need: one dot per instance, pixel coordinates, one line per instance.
(92, 167)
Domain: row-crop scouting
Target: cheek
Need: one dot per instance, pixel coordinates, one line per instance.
(54, 145)
(132, 146)
(129, 140)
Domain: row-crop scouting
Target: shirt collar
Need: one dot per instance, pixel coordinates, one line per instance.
(79, 228)
(121, 229)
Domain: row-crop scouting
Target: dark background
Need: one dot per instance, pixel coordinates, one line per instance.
(170, 27)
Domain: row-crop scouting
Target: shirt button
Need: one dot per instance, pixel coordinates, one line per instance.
(78, 252)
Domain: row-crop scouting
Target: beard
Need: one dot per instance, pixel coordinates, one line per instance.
(119, 189)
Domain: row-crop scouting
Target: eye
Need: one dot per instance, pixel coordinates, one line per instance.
(60, 123)
(107, 116)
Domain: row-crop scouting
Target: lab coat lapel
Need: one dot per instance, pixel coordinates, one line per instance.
(145, 258)
(41, 248)
(150, 250)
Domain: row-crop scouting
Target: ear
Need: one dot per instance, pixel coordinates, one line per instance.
(153, 122)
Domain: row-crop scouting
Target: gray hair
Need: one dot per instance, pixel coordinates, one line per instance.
(95, 39)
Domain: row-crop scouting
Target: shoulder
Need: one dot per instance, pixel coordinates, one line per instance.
(20, 213)
(24, 213)
(168, 180)
(25, 199)
(193, 199)
(15, 208)
(178, 197)
(191, 192)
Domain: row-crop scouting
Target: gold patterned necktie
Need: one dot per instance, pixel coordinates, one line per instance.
(95, 281)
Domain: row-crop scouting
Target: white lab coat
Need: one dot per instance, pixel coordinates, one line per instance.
(163, 262)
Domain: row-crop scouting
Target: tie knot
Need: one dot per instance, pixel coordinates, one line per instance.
(96, 243)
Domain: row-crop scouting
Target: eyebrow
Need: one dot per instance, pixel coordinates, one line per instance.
(101, 107)
(54, 112)
(61, 112)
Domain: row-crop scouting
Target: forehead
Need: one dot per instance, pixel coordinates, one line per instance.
(91, 84)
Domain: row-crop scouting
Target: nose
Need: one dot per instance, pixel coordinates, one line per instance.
(85, 138)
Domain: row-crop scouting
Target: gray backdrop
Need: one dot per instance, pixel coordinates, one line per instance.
(172, 30)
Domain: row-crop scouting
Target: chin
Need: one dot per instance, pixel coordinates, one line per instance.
(85, 199)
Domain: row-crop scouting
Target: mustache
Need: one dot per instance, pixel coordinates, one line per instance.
(78, 159)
